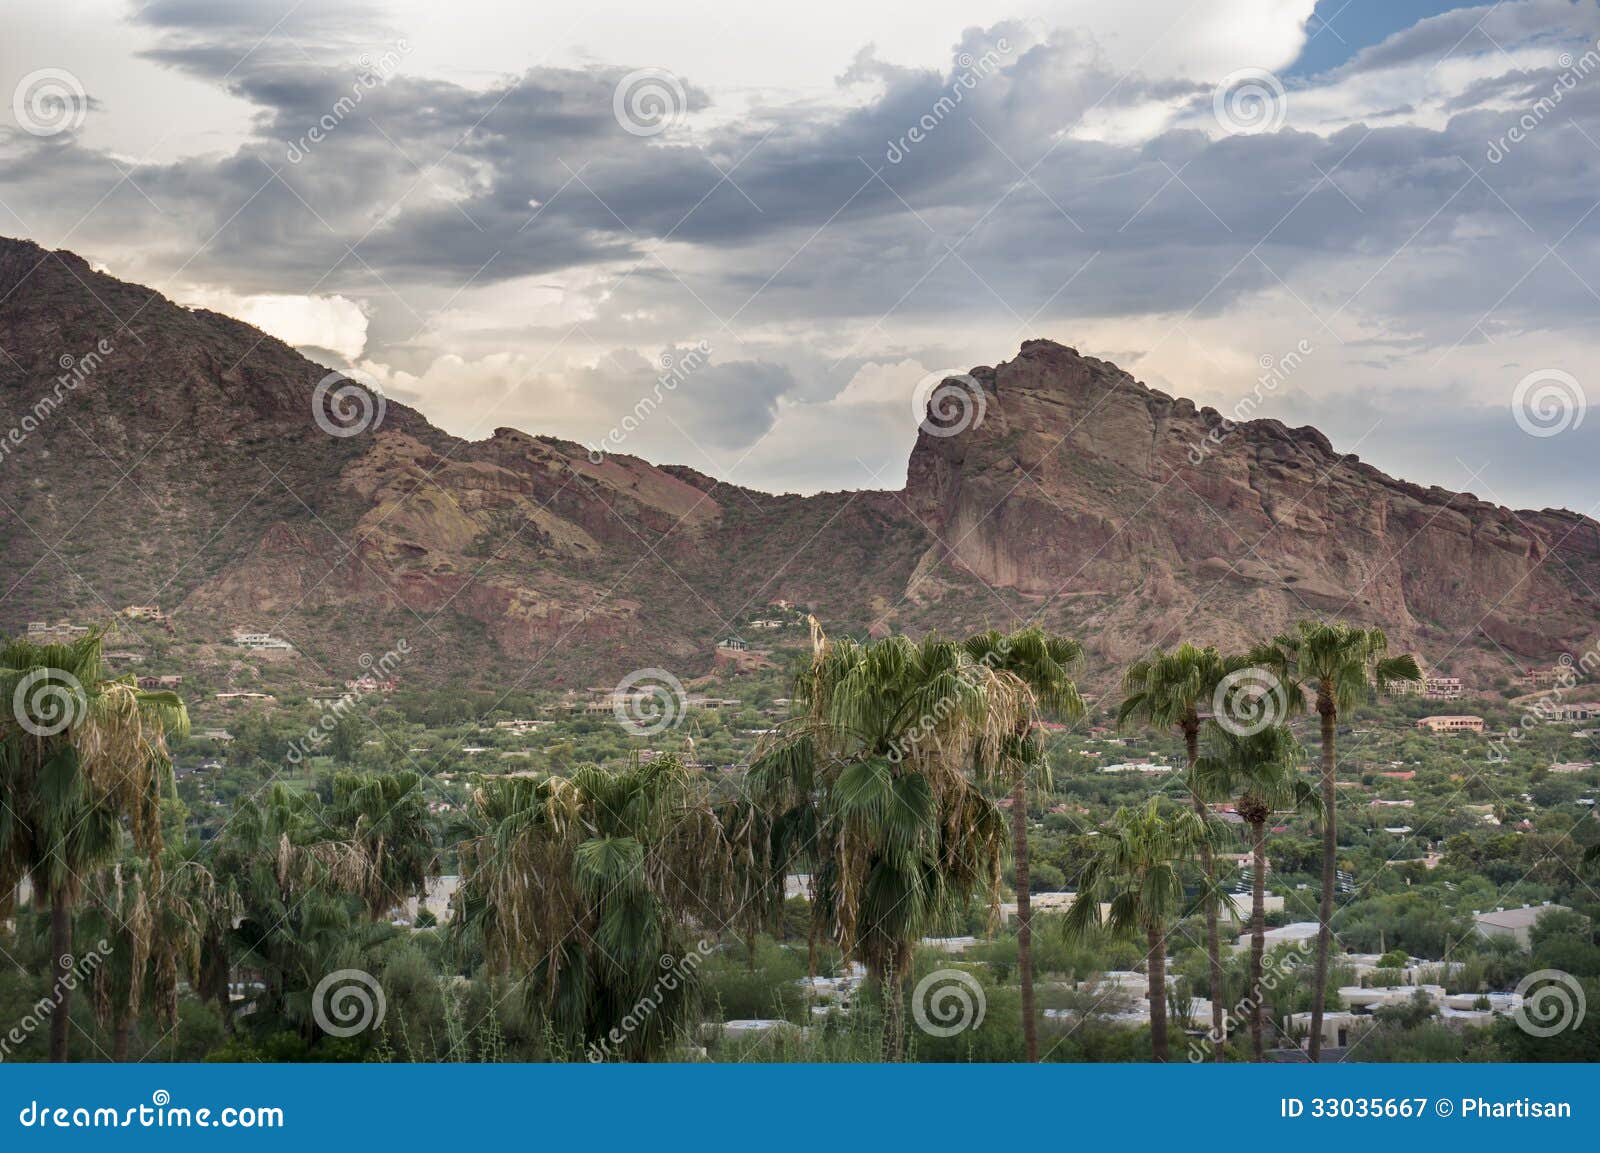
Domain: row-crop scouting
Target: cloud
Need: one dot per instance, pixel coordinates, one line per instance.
(334, 323)
(517, 256)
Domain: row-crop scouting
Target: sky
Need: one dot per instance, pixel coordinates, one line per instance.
(781, 222)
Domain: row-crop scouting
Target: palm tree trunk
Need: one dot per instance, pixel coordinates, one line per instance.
(1258, 932)
(894, 1025)
(119, 1041)
(1019, 841)
(1156, 966)
(1219, 1036)
(61, 967)
(1330, 848)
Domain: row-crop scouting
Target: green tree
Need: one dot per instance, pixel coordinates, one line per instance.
(1137, 872)
(152, 924)
(298, 887)
(81, 755)
(1171, 690)
(878, 784)
(1044, 665)
(1262, 767)
(1330, 666)
(593, 888)
(386, 816)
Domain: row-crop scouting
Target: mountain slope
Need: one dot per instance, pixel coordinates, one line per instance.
(183, 464)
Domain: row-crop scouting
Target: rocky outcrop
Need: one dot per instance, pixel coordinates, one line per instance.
(185, 468)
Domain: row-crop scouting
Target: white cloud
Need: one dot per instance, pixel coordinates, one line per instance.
(335, 323)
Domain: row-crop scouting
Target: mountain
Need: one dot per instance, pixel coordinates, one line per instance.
(158, 454)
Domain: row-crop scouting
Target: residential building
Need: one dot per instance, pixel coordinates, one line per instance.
(732, 644)
(261, 641)
(1544, 678)
(1451, 724)
(61, 632)
(161, 682)
(1515, 923)
(144, 613)
(1442, 688)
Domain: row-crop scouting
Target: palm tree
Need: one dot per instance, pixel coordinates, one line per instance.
(1170, 690)
(1136, 870)
(878, 784)
(1332, 666)
(1044, 665)
(81, 755)
(589, 886)
(1262, 766)
(387, 816)
(153, 929)
(289, 906)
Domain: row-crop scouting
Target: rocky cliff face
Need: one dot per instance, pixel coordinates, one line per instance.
(1082, 485)
(181, 463)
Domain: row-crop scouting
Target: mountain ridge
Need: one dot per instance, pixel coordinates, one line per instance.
(1071, 497)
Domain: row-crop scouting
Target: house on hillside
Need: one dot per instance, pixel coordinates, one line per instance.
(1515, 923)
(1451, 724)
